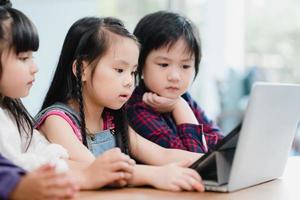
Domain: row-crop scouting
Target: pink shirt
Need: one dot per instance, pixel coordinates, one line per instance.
(107, 121)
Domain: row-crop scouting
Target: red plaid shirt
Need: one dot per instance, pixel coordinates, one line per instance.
(162, 129)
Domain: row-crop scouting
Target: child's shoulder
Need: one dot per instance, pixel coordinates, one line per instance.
(60, 109)
(57, 107)
(7, 121)
(2, 112)
(4, 115)
(64, 112)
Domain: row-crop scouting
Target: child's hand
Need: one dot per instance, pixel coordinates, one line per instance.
(45, 183)
(112, 167)
(176, 177)
(159, 103)
(120, 183)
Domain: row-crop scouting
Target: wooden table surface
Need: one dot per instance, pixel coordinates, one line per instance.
(285, 188)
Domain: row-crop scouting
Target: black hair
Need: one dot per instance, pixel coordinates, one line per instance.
(163, 29)
(5, 3)
(88, 40)
(17, 33)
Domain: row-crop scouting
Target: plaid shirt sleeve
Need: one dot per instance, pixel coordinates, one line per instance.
(211, 131)
(151, 125)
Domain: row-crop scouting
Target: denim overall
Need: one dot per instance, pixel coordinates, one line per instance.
(98, 142)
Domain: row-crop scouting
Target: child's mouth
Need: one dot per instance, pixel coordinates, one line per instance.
(124, 97)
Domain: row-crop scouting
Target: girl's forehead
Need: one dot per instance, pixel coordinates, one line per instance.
(122, 47)
(123, 52)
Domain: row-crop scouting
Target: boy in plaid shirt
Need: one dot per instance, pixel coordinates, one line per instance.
(160, 108)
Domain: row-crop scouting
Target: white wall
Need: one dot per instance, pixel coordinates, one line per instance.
(52, 19)
(221, 32)
(223, 48)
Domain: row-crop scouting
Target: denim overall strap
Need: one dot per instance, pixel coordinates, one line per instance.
(59, 106)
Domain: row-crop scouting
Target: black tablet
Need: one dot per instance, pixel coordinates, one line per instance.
(228, 142)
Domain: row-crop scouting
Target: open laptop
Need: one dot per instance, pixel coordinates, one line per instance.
(256, 151)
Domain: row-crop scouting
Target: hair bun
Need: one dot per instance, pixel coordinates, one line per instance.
(5, 3)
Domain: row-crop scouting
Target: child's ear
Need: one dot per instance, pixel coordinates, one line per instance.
(84, 65)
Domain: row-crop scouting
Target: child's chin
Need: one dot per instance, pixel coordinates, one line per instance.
(171, 96)
(115, 107)
(22, 96)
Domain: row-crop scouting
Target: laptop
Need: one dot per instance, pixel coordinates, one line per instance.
(257, 150)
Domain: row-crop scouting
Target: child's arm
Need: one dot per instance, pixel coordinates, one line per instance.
(152, 125)
(58, 131)
(173, 177)
(183, 114)
(189, 118)
(212, 132)
(179, 108)
(188, 114)
(112, 167)
(112, 163)
(151, 153)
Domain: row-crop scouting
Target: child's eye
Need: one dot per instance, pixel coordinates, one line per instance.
(134, 73)
(186, 66)
(163, 64)
(119, 70)
(24, 58)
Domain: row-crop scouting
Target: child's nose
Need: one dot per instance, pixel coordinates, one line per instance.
(129, 82)
(174, 75)
(34, 69)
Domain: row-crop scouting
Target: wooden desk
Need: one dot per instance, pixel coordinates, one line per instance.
(284, 188)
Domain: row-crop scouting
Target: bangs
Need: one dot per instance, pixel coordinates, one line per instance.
(24, 34)
(167, 40)
(191, 47)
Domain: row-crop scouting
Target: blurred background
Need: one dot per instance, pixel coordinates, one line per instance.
(243, 41)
